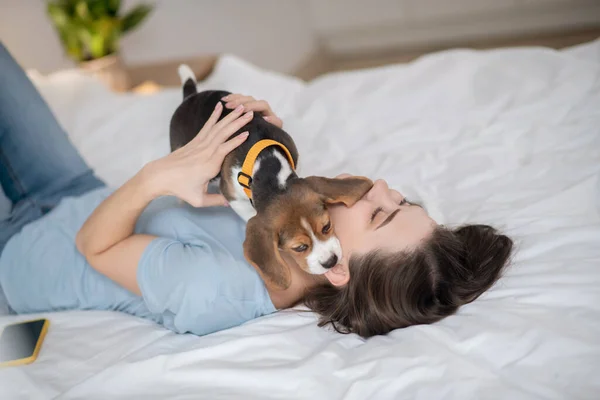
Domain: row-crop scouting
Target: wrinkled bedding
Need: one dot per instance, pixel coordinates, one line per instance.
(508, 137)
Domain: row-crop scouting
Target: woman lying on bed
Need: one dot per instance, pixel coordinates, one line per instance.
(68, 242)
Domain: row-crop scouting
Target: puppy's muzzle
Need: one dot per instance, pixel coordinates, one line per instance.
(331, 262)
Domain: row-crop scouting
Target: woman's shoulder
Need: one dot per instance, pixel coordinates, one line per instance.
(243, 299)
(205, 287)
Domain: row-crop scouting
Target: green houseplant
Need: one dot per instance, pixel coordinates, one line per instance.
(90, 31)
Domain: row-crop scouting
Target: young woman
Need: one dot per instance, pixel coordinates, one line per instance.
(68, 242)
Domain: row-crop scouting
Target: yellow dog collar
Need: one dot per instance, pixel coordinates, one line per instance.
(245, 175)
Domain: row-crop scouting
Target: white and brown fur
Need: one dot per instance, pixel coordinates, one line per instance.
(286, 211)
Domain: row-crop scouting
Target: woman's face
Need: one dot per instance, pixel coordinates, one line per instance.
(382, 219)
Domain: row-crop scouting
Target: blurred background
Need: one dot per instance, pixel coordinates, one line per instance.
(304, 38)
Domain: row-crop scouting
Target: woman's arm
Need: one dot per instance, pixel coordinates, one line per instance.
(106, 239)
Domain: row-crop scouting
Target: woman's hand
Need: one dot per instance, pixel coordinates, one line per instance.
(251, 104)
(186, 172)
(107, 239)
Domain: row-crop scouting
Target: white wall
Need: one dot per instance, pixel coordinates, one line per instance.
(283, 34)
(270, 33)
(350, 26)
(27, 33)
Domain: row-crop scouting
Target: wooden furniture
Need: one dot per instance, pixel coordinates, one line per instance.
(149, 78)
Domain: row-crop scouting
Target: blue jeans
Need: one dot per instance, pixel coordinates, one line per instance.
(38, 163)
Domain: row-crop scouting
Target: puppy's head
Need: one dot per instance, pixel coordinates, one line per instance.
(298, 223)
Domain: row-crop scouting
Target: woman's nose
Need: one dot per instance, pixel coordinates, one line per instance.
(380, 187)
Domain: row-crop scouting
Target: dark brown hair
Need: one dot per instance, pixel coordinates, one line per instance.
(395, 290)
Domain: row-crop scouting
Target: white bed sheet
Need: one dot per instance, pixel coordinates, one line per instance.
(508, 137)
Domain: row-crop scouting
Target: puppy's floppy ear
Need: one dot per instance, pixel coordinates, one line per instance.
(262, 251)
(345, 190)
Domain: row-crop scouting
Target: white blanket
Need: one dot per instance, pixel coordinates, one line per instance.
(508, 137)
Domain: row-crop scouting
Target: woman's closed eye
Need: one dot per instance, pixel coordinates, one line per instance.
(405, 202)
(377, 211)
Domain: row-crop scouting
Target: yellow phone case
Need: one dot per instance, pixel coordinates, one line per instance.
(38, 346)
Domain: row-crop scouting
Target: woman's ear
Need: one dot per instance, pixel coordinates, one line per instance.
(347, 190)
(338, 275)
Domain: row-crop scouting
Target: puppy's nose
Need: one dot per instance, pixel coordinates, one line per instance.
(331, 262)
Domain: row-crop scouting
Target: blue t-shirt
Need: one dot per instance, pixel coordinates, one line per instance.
(193, 277)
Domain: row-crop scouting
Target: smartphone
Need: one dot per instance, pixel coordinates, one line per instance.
(20, 343)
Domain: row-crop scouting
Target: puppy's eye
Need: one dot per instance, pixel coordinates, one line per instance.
(300, 248)
(326, 228)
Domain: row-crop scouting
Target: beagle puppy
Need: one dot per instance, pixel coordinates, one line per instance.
(284, 213)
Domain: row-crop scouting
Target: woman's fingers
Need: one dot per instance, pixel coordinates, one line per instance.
(226, 131)
(259, 106)
(234, 100)
(251, 104)
(210, 123)
(274, 120)
(213, 200)
(220, 152)
(234, 115)
(234, 96)
(232, 144)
